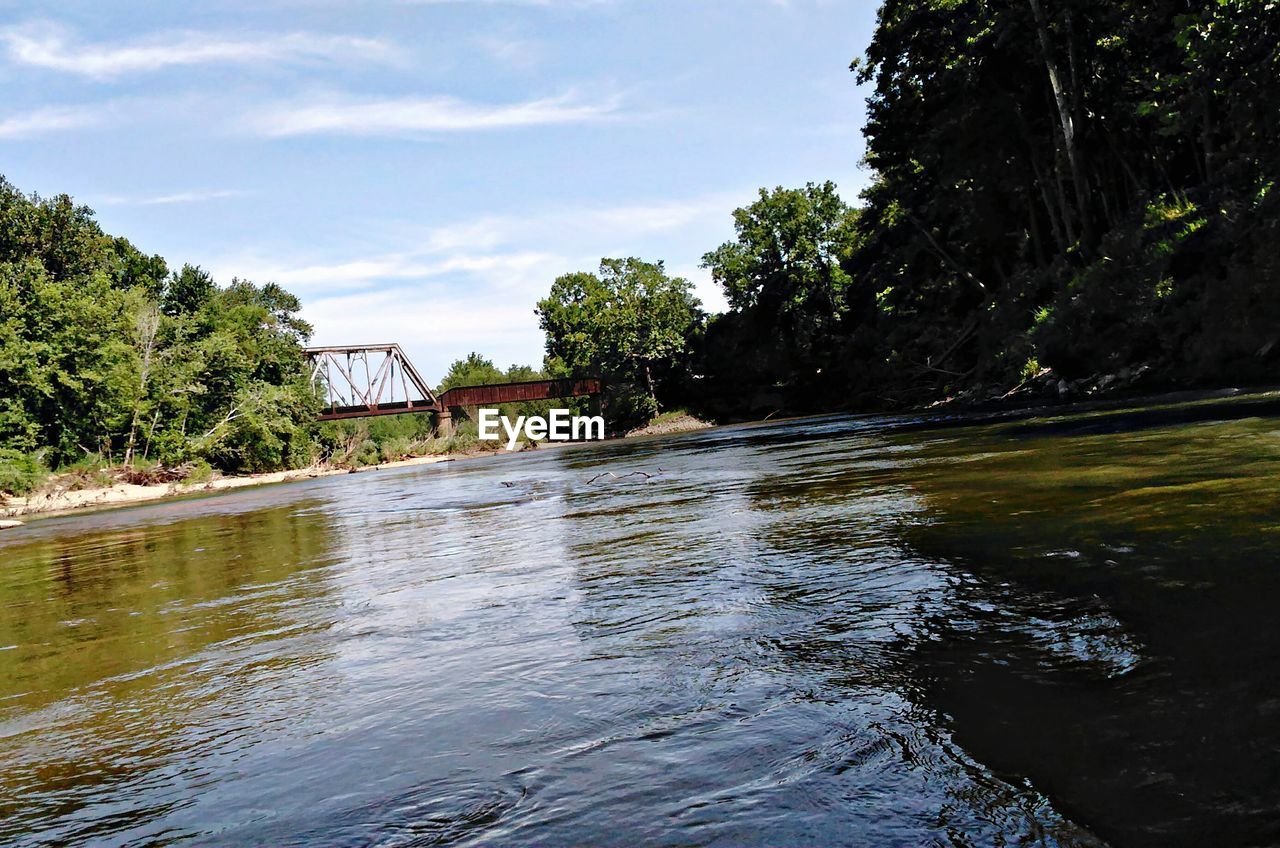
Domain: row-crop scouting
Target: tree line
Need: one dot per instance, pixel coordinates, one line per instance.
(1064, 195)
(108, 356)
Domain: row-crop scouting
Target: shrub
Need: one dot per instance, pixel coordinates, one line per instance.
(20, 473)
(198, 471)
(396, 448)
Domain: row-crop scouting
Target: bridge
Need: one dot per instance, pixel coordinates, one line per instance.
(362, 380)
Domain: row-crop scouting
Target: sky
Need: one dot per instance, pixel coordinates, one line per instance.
(420, 171)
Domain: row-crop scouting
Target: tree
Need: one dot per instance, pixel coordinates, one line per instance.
(103, 353)
(784, 276)
(474, 370)
(187, 291)
(631, 323)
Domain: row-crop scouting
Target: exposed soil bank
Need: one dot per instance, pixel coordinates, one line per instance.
(53, 500)
(674, 424)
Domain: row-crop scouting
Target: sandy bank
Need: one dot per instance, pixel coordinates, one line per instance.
(55, 500)
(677, 424)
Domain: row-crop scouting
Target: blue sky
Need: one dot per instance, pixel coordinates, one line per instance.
(420, 172)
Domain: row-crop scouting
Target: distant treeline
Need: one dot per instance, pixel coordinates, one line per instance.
(1062, 195)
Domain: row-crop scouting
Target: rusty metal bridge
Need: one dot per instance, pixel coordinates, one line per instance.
(365, 380)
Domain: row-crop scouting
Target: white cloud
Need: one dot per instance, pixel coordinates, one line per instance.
(363, 272)
(169, 199)
(519, 53)
(704, 287)
(351, 116)
(473, 285)
(433, 331)
(48, 119)
(499, 247)
(49, 46)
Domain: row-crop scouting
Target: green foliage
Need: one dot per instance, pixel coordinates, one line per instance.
(474, 370)
(20, 473)
(785, 281)
(631, 323)
(198, 471)
(1082, 186)
(1077, 177)
(103, 352)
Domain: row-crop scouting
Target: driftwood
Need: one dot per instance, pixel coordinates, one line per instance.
(646, 475)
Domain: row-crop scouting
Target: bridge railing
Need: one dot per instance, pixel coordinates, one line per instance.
(496, 393)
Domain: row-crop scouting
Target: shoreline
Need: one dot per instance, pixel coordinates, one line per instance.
(61, 502)
(57, 502)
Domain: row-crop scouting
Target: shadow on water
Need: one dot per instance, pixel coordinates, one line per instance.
(1110, 635)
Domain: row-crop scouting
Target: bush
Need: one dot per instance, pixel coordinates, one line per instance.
(465, 437)
(20, 473)
(396, 448)
(92, 471)
(368, 454)
(198, 471)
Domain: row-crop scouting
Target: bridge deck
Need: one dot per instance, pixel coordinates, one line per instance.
(497, 393)
(464, 396)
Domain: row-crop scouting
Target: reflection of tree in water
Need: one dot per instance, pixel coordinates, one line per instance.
(1110, 637)
(138, 648)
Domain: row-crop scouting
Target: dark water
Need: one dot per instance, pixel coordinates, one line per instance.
(822, 632)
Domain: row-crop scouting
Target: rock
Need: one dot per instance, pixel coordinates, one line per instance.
(7, 523)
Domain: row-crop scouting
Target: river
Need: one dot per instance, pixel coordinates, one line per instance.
(890, 631)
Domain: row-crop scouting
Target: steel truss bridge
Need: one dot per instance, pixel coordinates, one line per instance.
(364, 380)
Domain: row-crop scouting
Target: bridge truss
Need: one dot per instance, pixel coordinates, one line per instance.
(363, 380)
(369, 380)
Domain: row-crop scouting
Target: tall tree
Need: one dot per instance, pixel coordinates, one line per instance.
(785, 273)
(630, 322)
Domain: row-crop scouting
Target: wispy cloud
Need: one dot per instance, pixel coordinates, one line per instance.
(519, 53)
(472, 285)
(169, 199)
(360, 273)
(48, 119)
(412, 115)
(50, 46)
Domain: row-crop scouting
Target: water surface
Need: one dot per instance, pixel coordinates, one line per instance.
(833, 631)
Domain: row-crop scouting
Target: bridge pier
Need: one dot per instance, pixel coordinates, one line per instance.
(449, 418)
(444, 424)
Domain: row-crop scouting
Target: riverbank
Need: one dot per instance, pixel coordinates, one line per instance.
(68, 494)
(57, 497)
(670, 423)
(65, 494)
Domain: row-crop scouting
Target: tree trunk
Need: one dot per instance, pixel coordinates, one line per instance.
(1063, 102)
(148, 324)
